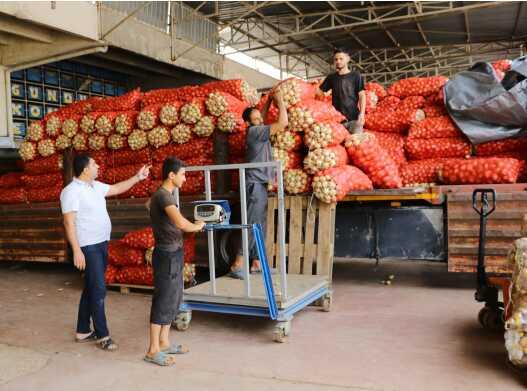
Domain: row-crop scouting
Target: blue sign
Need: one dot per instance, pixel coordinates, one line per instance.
(19, 129)
(34, 92)
(96, 87)
(83, 84)
(35, 111)
(67, 81)
(51, 77)
(81, 96)
(19, 75)
(109, 89)
(18, 109)
(120, 91)
(67, 97)
(18, 90)
(52, 95)
(34, 74)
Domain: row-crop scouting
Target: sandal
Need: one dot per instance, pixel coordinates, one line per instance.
(108, 344)
(175, 349)
(160, 358)
(90, 338)
(236, 274)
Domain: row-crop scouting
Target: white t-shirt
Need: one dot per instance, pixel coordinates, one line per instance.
(92, 221)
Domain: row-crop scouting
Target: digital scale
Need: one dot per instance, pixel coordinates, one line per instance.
(212, 212)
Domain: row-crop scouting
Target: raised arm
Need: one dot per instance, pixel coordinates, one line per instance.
(124, 186)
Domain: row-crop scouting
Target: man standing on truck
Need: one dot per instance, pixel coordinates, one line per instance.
(347, 90)
(168, 225)
(257, 179)
(88, 229)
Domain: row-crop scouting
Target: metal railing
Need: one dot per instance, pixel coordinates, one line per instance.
(277, 166)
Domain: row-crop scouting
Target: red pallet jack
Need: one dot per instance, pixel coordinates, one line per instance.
(494, 313)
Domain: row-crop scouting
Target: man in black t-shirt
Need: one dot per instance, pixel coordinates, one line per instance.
(347, 90)
(168, 225)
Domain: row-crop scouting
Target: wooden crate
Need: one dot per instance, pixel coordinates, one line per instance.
(310, 235)
(503, 227)
(32, 232)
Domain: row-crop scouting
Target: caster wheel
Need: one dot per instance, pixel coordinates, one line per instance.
(281, 331)
(326, 303)
(182, 321)
(491, 319)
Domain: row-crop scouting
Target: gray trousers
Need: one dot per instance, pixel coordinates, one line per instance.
(353, 127)
(256, 213)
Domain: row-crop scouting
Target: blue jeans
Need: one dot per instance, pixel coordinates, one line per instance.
(91, 306)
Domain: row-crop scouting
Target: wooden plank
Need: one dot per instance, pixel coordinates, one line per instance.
(310, 250)
(324, 254)
(295, 236)
(270, 234)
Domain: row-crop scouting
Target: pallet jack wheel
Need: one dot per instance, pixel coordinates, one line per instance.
(281, 331)
(326, 303)
(491, 318)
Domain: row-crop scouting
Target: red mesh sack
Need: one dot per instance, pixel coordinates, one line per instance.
(289, 159)
(121, 173)
(480, 171)
(44, 165)
(82, 106)
(139, 190)
(395, 121)
(148, 117)
(189, 248)
(423, 86)
(435, 127)
(237, 143)
(167, 95)
(36, 181)
(238, 88)
(419, 149)
(13, 196)
(287, 141)
(434, 110)
(412, 102)
(333, 184)
(502, 146)
(303, 115)
(366, 153)
(295, 91)
(502, 65)
(125, 122)
(10, 180)
(44, 194)
(122, 255)
(371, 101)
(422, 171)
(105, 123)
(325, 134)
(272, 113)
(136, 275)
(220, 102)
(376, 88)
(324, 158)
(110, 276)
(388, 103)
(393, 144)
(126, 102)
(125, 156)
(141, 238)
(297, 181)
(437, 98)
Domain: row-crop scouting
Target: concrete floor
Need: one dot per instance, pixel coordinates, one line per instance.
(420, 333)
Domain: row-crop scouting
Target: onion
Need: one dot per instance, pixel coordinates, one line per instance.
(96, 142)
(70, 127)
(181, 133)
(35, 131)
(204, 127)
(116, 141)
(158, 137)
(27, 150)
(137, 139)
(46, 147)
(80, 142)
(63, 142)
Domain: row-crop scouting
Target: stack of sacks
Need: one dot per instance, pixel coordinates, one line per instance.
(123, 133)
(130, 259)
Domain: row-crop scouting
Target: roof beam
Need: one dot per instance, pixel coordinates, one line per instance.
(21, 28)
(389, 21)
(467, 26)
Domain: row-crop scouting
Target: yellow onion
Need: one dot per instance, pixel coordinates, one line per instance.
(80, 142)
(296, 181)
(168, 115)
(104, 125)
(46, 147)
(189, 272)
(146, 120)
(227, 122)
(123, 124)
(181, 133)
(70, 127)
(137, 139)
(35, 131)
(158, 137)
(96, 142)
(190, 113)
(87, 124)
(300, 120)
(53, 125)
(27, 150)
(325, 188)
(216, 104)
(116, 141)
(204, 127)
(62, 142)
(319, 159)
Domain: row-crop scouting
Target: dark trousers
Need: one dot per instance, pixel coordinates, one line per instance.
(168, 285)
(256, 213)
(91, 307)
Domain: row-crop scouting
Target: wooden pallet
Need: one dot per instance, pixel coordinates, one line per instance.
(310, 235)
(504, 226)
(126, 289)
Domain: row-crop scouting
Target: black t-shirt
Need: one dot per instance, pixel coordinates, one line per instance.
(167, 236)
(345, 92)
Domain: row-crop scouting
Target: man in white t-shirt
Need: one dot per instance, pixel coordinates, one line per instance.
(88, 229)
